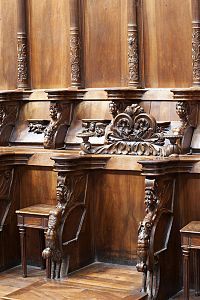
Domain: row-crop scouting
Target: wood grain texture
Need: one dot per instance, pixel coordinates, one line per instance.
(118, 207)
(49, 43)
(98, 281)
(167, 43)
(105, 43)
(8, 44)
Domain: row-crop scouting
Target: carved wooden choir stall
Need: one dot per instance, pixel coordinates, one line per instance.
(100, 136)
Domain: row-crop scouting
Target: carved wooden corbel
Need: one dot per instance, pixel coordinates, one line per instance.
(154, 230)
(61, 112)
(71, 197)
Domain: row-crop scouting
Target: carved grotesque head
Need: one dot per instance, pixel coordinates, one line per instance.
(53, 111)
(150, 199)
(113, 108)
(182, 109)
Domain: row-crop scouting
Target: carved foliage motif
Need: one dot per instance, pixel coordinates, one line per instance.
(95, 128)
(133, 59)
(22, 57)
(133, 132)
(70, 193)
(196, 52)
(75, 56)
(37, 126)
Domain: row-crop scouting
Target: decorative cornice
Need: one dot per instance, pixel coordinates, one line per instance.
(22, 59)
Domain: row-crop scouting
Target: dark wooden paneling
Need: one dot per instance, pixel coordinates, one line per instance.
(49, 43)
(8, 44)
(118, 208)
(105, 42)
(167, 43)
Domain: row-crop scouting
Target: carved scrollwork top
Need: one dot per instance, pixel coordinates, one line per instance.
(134, 132)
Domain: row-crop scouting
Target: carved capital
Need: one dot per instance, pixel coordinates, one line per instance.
(22, 59)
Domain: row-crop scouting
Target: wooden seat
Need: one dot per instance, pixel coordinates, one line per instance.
(190, 240)
(35, 216)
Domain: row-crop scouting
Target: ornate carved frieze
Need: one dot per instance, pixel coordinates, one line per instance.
(22, 58)
(134, 132)
(94, 127)
(75, 57)
(37, 126)
(133, 56)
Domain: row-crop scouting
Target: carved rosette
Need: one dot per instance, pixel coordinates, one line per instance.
(196, 52)
(75, 57)
(71, 194)
(133, 56)
(22, 59)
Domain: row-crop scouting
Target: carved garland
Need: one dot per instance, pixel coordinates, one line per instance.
(22, 58)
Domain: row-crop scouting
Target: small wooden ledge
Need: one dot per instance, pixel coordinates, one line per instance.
(69, 163)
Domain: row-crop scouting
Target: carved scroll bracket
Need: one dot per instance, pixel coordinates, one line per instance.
(71, 191)
(61, 112)
(160, 182)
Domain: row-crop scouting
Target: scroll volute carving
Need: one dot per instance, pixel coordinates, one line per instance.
(154, 230)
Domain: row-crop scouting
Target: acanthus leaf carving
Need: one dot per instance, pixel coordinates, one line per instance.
(134, 132)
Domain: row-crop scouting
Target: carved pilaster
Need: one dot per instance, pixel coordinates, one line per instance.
(133, 56)
(196, 42)
(75, 57)
(75, 43)
(133, 51)
(22, 47)
(22, 60)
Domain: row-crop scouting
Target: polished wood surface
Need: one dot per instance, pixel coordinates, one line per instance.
(98, 281)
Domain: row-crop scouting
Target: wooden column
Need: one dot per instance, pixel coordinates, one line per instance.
(196, 42)
(75, 43)
(133, 53)
(22, 47)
